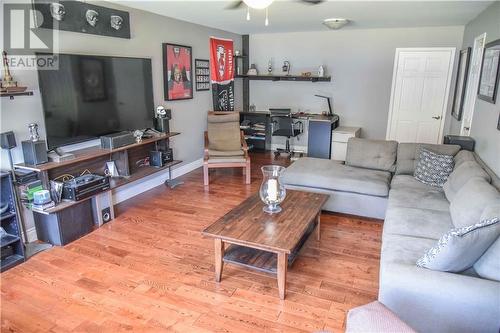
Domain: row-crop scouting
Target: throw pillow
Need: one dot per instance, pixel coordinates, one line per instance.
(488, 266)
(468, 204)
(460, 248)
(433, 169)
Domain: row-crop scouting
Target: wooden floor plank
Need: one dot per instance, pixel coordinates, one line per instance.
(151, 270)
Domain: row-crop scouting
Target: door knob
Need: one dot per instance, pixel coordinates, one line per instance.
(437, 117)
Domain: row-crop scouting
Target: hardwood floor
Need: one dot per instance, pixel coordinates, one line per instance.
(150, 270)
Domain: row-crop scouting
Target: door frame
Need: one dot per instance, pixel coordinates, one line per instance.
(444, 110)
(471, 90)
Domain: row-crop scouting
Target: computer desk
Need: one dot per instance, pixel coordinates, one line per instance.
(319, 131)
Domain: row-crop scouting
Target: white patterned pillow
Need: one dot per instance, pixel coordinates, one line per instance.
(460, 248)
(433, 169)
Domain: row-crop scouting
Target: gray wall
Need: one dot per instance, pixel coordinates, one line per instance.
(149, 31)
(359, 61)
(484, 121)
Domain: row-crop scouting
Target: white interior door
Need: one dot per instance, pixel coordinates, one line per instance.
(419, 98)
(472, 85)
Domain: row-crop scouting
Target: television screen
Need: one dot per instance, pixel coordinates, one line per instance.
(89, 96)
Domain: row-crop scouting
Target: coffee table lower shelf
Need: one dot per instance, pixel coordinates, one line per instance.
(259, 260)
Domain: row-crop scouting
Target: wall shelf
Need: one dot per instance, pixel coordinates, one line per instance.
(11, 95)
(285, 78)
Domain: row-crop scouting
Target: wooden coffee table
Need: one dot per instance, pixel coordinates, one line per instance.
(264, 242)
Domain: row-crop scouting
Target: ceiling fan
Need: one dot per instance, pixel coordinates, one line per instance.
(263, 4)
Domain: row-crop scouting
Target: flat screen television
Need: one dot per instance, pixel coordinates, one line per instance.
(90, 96)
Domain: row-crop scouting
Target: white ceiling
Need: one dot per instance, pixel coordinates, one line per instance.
(288, 16)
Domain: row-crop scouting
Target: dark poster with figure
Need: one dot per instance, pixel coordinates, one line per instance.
(222, 74)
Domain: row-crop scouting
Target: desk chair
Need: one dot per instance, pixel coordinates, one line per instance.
(282, 124)
(225, 145)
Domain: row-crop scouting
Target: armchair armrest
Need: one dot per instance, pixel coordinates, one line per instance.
(244, 145)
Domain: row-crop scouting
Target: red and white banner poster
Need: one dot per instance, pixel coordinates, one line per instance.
(222, 73)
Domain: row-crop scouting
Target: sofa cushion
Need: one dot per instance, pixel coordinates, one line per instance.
(464, 156)
(470, 201)
(488, 266)
(449, 302)
(460, 248)
(416, 222)
(371, 154)
(331, 175)
(408, 154)
(433, 169)
(408, 192)
(462, 173)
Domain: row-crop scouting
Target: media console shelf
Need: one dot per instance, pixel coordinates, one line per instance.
(129, 161)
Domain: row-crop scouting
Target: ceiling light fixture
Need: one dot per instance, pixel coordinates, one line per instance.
(258, 4)
(335, 23)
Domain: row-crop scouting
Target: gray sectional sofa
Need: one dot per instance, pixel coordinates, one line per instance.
(377, 181)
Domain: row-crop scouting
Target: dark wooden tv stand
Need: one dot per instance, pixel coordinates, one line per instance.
(94, 160)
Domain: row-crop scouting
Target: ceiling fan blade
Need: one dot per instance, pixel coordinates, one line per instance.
(312, 2)
(235, 5)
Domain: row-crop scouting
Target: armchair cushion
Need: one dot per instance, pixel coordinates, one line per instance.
(212, 152)
(226, 159)
(224, 132)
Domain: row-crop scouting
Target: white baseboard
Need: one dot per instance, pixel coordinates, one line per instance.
(31, 233)
(157, 179)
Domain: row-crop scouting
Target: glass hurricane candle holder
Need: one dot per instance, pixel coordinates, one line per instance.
(272, 192)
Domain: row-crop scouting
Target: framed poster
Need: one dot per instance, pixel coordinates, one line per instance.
(178, 76)
(462, 74)
(490, 72)
(202, 74)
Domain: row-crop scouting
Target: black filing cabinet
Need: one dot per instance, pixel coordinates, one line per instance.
(319, 143)
(65, 226)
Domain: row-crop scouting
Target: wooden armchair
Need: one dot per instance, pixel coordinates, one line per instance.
(225, 145)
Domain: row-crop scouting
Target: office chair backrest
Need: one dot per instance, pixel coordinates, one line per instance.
(224, 131)
(280, 112)
(282, 118)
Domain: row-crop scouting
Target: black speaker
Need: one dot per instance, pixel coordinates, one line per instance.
(117, 140)
(35, 152)
(465, 142)
(8, 140)
(158, 158)
(106, 215)
(162, 124)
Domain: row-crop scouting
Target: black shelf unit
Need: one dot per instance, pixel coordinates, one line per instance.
(12, 242)
(258, 133)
